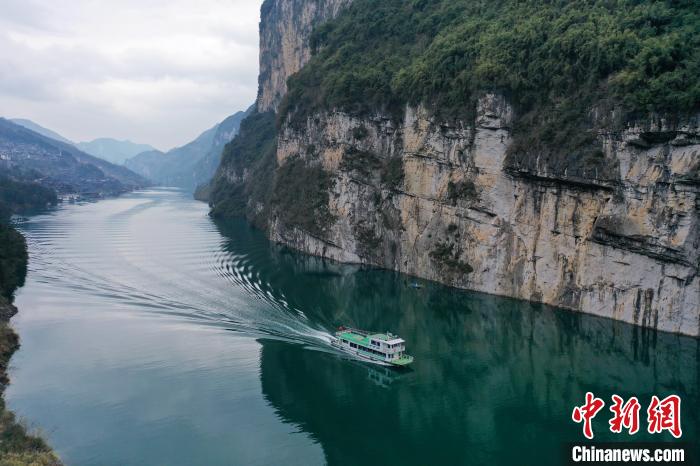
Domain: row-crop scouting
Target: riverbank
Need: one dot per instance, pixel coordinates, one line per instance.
(17, 445)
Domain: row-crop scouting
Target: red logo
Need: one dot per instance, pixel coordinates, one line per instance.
(665, 415)
(587, 412)
(626, 415)
(662, 415)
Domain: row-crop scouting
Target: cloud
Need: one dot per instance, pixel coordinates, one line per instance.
(152, 71)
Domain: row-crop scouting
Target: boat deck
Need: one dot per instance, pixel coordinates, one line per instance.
(360, 339)
(403, 361)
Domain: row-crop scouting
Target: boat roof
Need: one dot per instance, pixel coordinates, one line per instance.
(363, 338)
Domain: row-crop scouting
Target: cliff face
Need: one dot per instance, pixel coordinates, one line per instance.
(448, 203)
(615, 236)
(285, 29)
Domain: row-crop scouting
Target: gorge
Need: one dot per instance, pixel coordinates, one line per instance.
(513, 187)
(588, 202)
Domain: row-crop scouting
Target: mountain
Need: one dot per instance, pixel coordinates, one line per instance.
(175, 167)
(225, 132)
(193, 164)
(29, 124)
(60, 166)
(112, 150)
(147, 164)
(546, 151)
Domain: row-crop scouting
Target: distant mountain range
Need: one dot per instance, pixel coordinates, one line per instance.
(29, 124)
(111, 150)
(186, 167)
(59, 165)
(193, 164)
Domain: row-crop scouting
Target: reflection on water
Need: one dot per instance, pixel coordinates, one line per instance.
(152, 335)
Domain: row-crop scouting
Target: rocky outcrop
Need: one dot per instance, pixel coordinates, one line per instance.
(443, 202)
(285, 30)
(613, 231)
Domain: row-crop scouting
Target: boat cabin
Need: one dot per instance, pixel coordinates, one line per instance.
(378, 346)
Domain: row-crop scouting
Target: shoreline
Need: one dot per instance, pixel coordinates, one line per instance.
(280, 242)
(17, 445)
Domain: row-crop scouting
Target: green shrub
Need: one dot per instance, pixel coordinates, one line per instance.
(392, 173)
(247, 166)
(464, 189)
(370, 166)
(369, 243)
(362, 162)
(360, 132)
(18, 195)
(300, 195)
(13, 260)
(445, 254)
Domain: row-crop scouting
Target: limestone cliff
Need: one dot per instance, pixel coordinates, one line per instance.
(285, 29)
(451, 200)
(458, 211)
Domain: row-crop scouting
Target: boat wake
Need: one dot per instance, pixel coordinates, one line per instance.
(158, 253)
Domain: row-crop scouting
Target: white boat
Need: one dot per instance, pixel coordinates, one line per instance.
(380, 348)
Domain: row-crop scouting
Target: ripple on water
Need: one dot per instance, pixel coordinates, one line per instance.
(147, 254)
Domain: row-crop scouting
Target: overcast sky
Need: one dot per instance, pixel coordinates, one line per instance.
(152, 71)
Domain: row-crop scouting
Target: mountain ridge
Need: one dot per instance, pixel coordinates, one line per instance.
(110, 149)
(113, 150)
(192, 164)
(37, 128)
(61, 166)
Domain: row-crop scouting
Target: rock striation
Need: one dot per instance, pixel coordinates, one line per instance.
(458, 211)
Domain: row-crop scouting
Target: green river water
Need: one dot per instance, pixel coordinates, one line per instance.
(152, 335)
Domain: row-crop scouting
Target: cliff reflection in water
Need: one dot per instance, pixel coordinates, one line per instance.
(492, 379)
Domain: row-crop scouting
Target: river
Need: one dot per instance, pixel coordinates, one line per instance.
(153, 335)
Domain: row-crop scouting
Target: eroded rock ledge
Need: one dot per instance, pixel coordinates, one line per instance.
(622, 243)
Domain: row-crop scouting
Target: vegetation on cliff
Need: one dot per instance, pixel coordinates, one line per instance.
(250, 156)
(300, 196)
(641, 53)
(556, 61)
(248, 183)
(570, 69)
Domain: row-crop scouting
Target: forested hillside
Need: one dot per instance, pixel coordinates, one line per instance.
(60, 166)
(566, 66)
